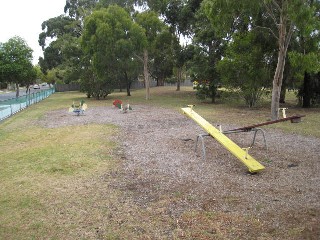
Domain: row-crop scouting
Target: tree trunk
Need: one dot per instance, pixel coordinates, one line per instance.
(160, 81)
(276, 89)
(286, 75)
(179, 74)
(283, 92)
(146, 73)
(277, 82)
(128, 84)
(283, 43)
(213, 93)
(10, 86)
(128, 89)
(17, 90)
(306, 97)
(120, 85)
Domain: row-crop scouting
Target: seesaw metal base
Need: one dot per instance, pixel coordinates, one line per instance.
(200, 137)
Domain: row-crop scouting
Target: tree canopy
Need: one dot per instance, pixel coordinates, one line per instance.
(112, 41)
(16, 62)
(244, 45)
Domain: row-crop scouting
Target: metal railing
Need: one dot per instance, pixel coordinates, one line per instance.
(14, 105)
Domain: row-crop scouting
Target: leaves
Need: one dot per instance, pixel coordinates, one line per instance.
(111, 40)
(16, 61)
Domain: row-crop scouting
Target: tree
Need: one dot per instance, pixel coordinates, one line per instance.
(244, 67)
(63, 53)
(16, 62)
(60, 40)
(162, 57)
(53, 76)
(111, 42)
(55, 29)
(306, 64)
(35, 74)
(305, 57)
(78, 9)
(283, 18)
(181, 55)
(282, 15)
(208, 51)
(152, 25)
(178, 15)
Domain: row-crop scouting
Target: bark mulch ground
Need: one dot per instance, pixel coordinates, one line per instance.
(169, 191)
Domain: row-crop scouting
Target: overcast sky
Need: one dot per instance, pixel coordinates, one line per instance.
(23, 18)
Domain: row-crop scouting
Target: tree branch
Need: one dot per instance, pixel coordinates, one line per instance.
(276, 5)
(140, 58)
(270, 30)
(271, 14)
(289, 35)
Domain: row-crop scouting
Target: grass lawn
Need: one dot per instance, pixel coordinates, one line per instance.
(41, 167)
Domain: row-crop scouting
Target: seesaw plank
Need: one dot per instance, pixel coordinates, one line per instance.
(252, 164)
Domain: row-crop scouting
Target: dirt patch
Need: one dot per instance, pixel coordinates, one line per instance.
(191, 198)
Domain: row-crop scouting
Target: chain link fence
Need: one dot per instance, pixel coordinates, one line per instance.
(14, 105)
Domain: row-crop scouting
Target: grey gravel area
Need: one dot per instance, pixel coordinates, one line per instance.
(157, 147)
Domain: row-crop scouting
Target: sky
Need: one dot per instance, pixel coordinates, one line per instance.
(23, 18)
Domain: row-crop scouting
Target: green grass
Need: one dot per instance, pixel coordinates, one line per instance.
(46, 174)
(33, 158)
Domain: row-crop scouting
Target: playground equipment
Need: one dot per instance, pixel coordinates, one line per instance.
(241, 153)
(78, 109)
(118, 104)
(254, 128)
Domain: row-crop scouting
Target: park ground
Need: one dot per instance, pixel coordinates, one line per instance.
(136, 175)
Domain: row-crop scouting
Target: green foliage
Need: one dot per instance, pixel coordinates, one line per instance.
(230, 16)
(245, 68)
(53, 76)
(204, 89)
(304, 57)
(207, 50)
(78, 9)
(280, 19)
(111, 42)
(161, 68)
(63, 52)
(152, 25)
(16, 62)
(159, 45)
(309, 62)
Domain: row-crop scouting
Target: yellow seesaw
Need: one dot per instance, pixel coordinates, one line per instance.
(252, 164)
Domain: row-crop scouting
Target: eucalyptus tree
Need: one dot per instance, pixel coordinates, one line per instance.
(60, 40)
(63, 53)
(152, 26)
(305, 57)
(307, 67)
(126, 4)
(178, 15)
(78, 9)
(51, 39)
(163, 57)
(287, 16)
(244, 67)
(208, 51)
(16, 62)
(284, 17)
(111, 41)
(173, 16)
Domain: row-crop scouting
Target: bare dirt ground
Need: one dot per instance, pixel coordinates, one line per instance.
(169, 192)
